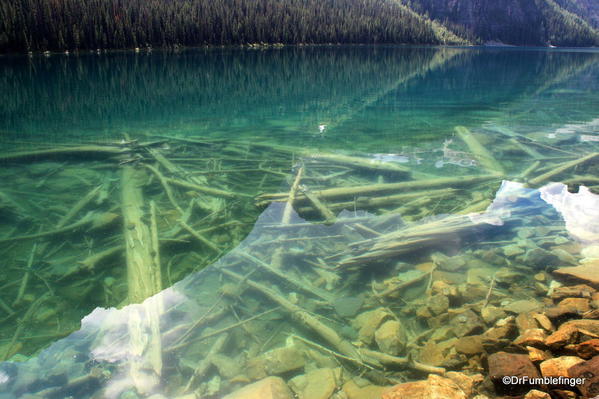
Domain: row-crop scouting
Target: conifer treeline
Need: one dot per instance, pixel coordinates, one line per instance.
(38, 25)
(520, 22)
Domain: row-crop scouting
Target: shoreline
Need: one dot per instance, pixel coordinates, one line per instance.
(279, 46)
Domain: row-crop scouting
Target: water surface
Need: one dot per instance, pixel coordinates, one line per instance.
(387, 139)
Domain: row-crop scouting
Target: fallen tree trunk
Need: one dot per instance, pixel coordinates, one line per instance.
(384, 188)
(143, 279)
(143, 274)
(85, 150)
(485, 158)
(562, 168)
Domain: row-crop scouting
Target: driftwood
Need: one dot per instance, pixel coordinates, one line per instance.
(206, 362)
(26, 275)
(92, 261)
(291, 197)
(277, 256)
(526, 172)
(86, 150)
(384, 201)
(385, 188)
(345, 348)
(301, 285)
(198, 236)
(190, 182)
(562, 168)
(405, 240)
(94, 220)
(206, 190)
(390, 360)
(144, 280)
(325, 212)
(167, 188)
(299, 314)
(143, 274)
(361, 163)
(485, 158)
(82, 203)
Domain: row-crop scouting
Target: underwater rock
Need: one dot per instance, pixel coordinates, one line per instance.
(226, 366)
(564, 256)
(503, 364)
(500, 336)
(480, 276)
(491, 314)
(433, 387)
(348, 306)
(438, 304)
(441, 287)
(508, 276)
(536, 394)
(559, 366)
(540, 258)
(274, 362)
(543, 321)
(368, 322)
(588, 273)
(470, 293)
(466, 323)
(564, 394)
(523, 306)
(537, 355)
(572, 291)
(573, 331)
(317, 384)
(512, 250)
(470, 345)
(448, 263)
(267, 388)
(354, 391)
(532, 337)
(588, 349)
(390, 337)
(467, 383)
(442, 354)
(578, 305)
(589, 370)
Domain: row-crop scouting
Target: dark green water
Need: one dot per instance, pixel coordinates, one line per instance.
(354, 123)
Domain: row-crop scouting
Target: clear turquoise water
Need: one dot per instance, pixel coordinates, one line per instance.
(369, 97)
(396, 105)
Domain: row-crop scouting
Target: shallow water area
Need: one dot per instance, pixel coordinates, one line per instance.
(344, 218)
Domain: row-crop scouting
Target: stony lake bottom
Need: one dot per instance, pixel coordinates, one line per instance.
(345, 219)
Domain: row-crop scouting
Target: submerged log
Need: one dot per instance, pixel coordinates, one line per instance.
(143, 279)
(143, 274)
(562, 168)
(485, 158)
(385, 187)
(408, 239)
(299, 314)
(361, 163)
(94, 220)
(82, 203)
(206, 190)
(86, 150)
(376, 202)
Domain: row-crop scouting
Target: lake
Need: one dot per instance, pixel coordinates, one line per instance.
(182, 224)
